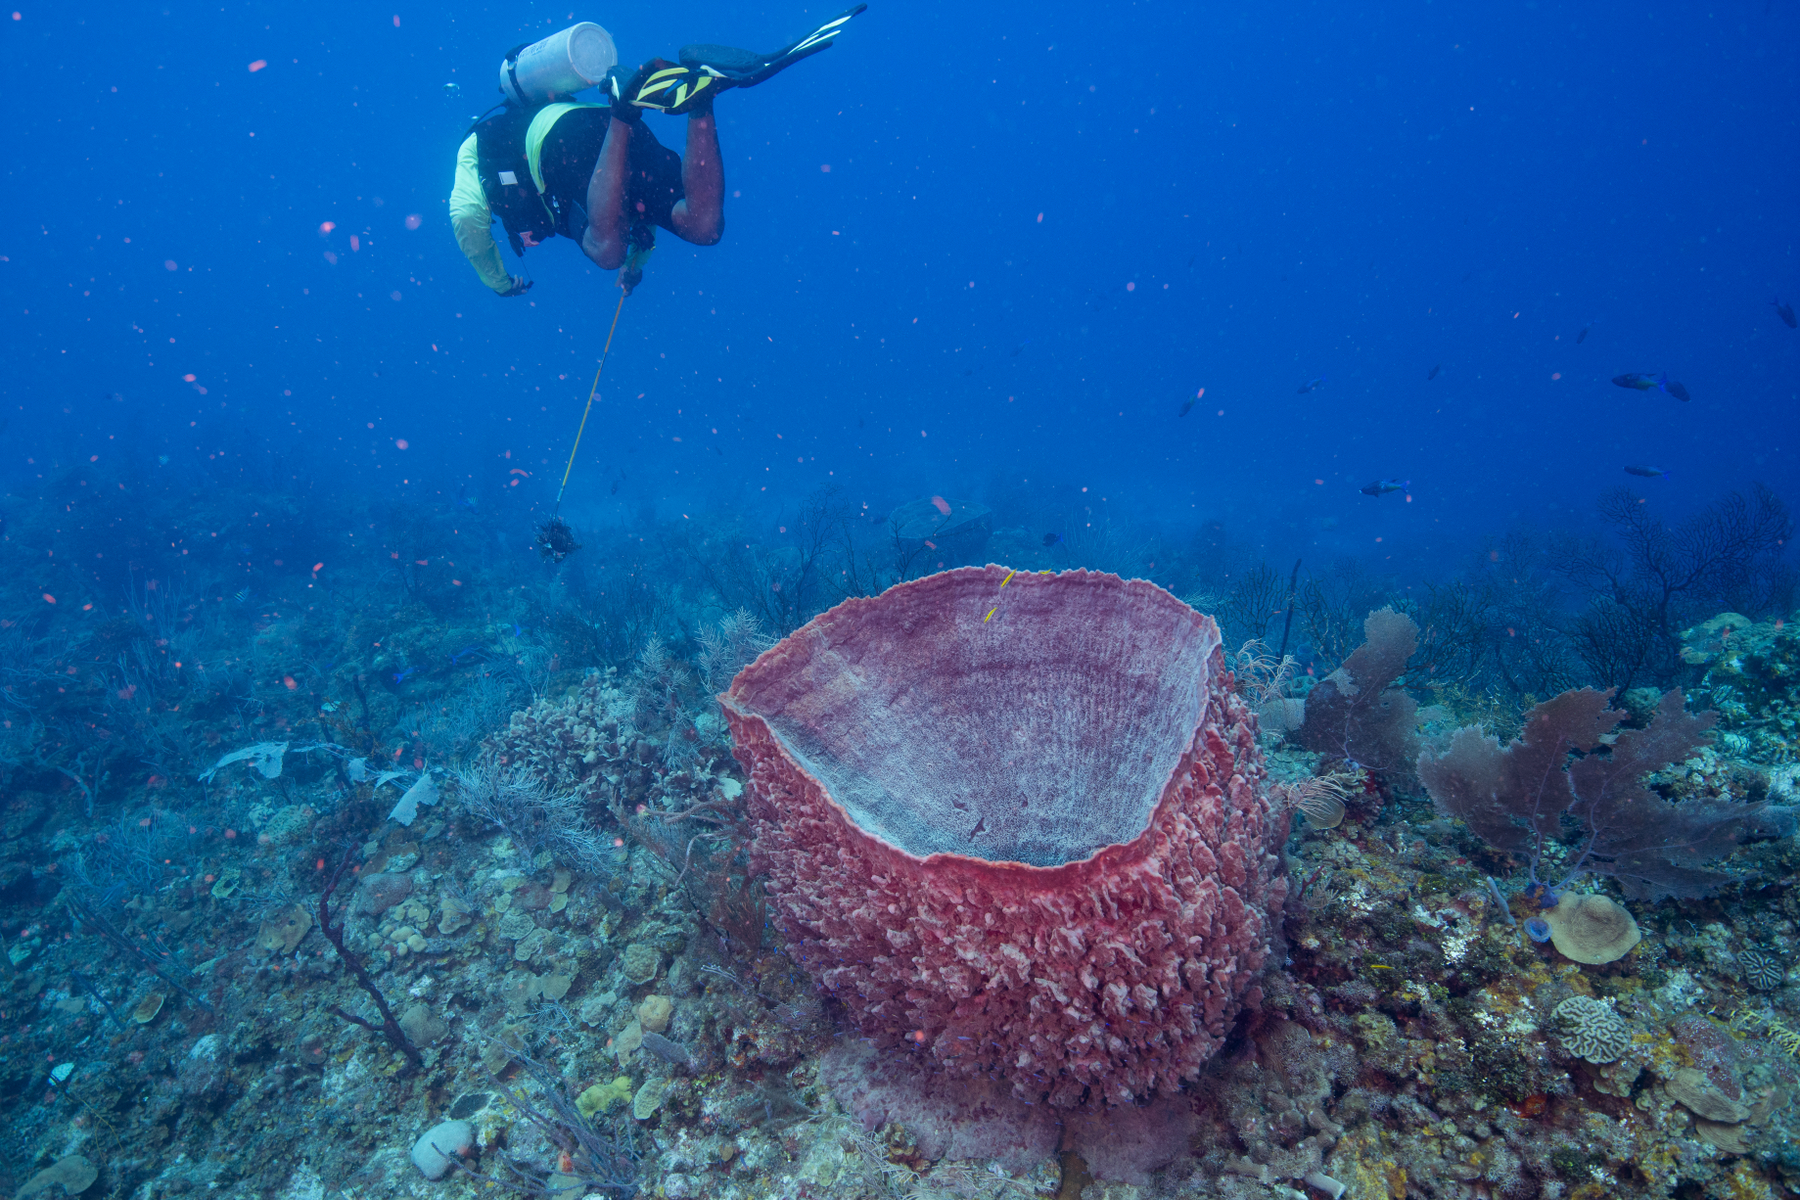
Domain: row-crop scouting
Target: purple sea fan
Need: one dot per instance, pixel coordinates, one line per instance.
(1559, 776)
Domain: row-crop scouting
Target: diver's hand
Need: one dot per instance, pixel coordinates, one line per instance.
(519, 287)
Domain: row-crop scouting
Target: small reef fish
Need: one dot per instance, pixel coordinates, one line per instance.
(400, 676)
(464, 653)
(241, 596)
(1052, 539)
(1382, 487)
(1582, 336)
(1311, 385)
(1192, 400)
(1647, 472)
(1785, 312)
(1644, 383)
(1433, 374)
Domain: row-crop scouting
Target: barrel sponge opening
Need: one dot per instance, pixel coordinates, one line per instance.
(1037, 736)
(1036, 845)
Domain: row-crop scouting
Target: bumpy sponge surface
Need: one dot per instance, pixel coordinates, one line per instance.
(1034, 845)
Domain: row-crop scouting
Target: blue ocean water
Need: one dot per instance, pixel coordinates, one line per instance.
(983, 252)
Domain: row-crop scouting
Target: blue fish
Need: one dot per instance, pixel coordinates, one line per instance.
(1052, 539)
(464, 653)
(1644, 383)
(1382, 487)
(1311, 385)
(400, 676)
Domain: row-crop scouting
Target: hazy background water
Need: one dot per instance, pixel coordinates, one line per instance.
(975, 250)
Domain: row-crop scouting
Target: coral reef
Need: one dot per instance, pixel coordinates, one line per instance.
(603, 1000)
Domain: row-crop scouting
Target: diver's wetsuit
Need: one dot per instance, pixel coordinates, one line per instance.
(570, 151)
(652, 185)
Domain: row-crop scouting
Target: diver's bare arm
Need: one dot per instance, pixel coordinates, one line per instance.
(604, 241)
(700, 216)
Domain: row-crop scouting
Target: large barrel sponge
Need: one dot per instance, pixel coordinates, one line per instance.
(1035, 844)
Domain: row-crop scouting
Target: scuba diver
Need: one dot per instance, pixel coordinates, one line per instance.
(594, 172)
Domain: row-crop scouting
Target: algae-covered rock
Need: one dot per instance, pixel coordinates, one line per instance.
(1699, 1095)
(626, 1044)
(641, 962)
(282, 932)
(381, 891)
(422, 1025)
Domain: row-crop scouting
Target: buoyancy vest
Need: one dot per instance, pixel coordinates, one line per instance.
(507, 179)
(508, 153)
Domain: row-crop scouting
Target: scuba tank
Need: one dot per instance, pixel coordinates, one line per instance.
(563, 63)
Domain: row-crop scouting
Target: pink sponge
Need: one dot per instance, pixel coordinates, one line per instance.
(1023, 829)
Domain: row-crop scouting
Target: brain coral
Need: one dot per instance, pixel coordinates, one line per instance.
(1591, 1029)
(1035, 843)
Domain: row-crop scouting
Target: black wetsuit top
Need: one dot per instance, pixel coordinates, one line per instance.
(572, 147)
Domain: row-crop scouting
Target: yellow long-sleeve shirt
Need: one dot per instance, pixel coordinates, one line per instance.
(472, 220)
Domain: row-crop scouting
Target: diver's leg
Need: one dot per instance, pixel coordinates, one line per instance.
(700, 216)
(604, 241)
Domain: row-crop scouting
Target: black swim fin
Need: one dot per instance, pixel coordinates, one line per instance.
(732, 67)
(672, 89)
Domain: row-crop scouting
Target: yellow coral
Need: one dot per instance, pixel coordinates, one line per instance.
(1746, 1019)
(1746, 1183)
(1371, 1177)
(603, 1096)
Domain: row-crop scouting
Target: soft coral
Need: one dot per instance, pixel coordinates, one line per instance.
(1560, 773)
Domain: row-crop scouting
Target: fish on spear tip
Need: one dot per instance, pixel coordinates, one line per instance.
(1382, 487)
(1785, 312)
(1647, 472)
(1191, 401)
(1643, 383)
